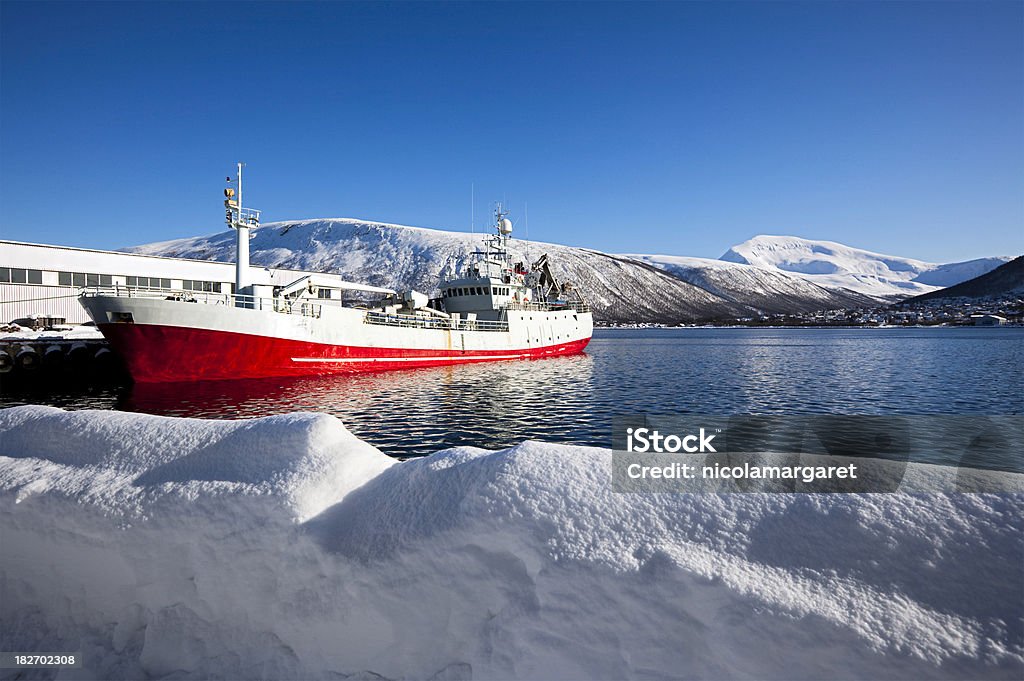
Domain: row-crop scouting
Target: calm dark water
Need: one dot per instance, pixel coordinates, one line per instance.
(655, 371)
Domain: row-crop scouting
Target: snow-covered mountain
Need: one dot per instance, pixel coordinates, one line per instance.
(767, 274)
(1005, 280)
(764, 288)
(831, 264)
(619, 288)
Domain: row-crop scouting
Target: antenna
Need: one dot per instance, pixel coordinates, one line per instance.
(472, 208)
(526, 220)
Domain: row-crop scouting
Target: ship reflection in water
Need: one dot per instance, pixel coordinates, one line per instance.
(624, 372)
(408, 413)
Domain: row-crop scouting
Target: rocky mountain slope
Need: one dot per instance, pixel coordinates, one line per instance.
(762, 288)
(1007, 279)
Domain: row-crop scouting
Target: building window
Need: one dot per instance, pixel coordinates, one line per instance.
(86, 279)
(323, 293)
(148, 282)
(18, 275)
(195, 285)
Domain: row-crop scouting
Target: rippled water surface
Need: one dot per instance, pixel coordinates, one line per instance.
(656, 371)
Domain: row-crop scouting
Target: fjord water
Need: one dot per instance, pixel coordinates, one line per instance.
(724, 371)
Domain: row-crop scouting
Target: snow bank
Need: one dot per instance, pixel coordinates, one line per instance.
(285, 548)
(81, 332)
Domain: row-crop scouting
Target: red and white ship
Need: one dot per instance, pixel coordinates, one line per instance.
(496, 310)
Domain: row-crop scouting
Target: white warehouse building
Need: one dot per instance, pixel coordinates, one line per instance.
(43, 280)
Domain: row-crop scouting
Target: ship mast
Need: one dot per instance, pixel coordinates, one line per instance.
(241, 220)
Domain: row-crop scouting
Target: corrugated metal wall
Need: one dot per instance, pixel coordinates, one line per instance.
(24, 300)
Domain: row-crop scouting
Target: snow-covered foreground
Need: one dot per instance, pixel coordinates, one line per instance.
(286, 548)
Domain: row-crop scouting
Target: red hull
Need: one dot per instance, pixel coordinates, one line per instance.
(156, 354)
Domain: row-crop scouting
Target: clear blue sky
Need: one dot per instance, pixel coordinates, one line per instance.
(679, 128)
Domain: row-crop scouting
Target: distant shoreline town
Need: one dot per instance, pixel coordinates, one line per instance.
(1007, 311)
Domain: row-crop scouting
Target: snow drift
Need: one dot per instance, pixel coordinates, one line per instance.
(284, 547)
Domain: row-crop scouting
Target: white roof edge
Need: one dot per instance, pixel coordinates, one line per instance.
(147, 255)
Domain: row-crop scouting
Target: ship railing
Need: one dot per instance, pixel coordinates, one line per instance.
(423, 322)
(249, 217)
(549, 307)
(299, 307)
